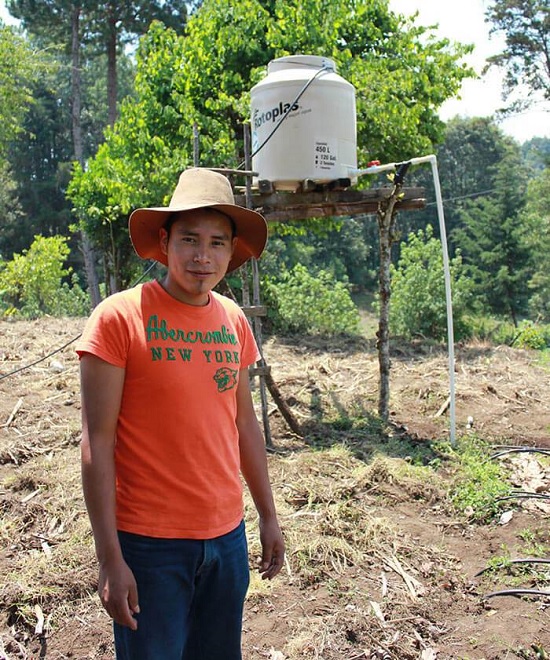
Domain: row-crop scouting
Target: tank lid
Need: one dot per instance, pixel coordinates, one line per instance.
(301, 61)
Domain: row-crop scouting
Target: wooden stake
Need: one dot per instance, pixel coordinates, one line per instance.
(13, 413)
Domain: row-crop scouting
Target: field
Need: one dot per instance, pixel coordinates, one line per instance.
(380, 562)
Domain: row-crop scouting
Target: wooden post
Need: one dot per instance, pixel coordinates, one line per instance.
(256, 321)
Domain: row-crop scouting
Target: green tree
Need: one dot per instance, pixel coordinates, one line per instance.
(536, 218)
(311, 303)
(536, 155)
(339, 246)
(401, 72)
(493, 241)
(36, 282)
(467, 162)
(418, 290)
(141, 158)
(526, 27)
(10, 210)
(105, 26)
(117, 22)
(20, 66)
(39, 158)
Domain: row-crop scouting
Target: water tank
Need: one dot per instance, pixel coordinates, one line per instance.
(303, 123)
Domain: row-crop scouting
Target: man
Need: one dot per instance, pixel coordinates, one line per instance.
(168, 426)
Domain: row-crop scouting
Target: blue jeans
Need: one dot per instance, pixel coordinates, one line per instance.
(191, 597)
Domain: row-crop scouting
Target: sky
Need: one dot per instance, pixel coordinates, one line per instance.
(464, 22)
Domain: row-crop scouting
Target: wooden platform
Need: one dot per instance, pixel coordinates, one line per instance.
(288, 206)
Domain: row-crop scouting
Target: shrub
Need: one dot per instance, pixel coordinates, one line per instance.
(530, 335)
(418, 303)
(34, 283)
(311, 304)
(494, 330)
(501, 331)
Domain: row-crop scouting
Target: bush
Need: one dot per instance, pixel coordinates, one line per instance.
(530, 335)
(494, 330)
(34, 283)
(501, 331)
(418, 303)
(311, 304)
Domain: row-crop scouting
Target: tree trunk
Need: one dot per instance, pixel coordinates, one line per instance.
(386, 234)
(87, 250)
(112, 80)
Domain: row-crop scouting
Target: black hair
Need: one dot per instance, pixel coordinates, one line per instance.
(178, 214)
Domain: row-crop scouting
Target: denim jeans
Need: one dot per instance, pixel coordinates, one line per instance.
(191, 596)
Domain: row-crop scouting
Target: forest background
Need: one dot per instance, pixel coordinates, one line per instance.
(98, 106)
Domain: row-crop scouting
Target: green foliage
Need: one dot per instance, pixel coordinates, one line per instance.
(494, 330)
(536, 154)
(536, 219)
(339, 245)
(498, 331)
(308, 303)
(530, 335)
(418, 303)
(141, 158)
(39, 156)
(467, 160)
(493, 241)
(10, 210)
(204, 77)
(34, 283)
(536, 542)
(479, 481)
(525, 24)
(20, 67)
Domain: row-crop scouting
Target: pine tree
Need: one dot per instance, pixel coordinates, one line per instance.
(492, 241)
(537, 238)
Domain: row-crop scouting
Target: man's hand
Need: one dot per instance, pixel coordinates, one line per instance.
(118, 592)
(273, 549)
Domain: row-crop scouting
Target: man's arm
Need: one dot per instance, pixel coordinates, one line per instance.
(254, 469)
(101, 392)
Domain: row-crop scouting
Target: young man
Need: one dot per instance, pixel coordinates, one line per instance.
(168, 426)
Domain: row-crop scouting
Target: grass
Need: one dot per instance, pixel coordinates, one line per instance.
(368, 316)
(543, 358)
(536, 542)
(478, 481)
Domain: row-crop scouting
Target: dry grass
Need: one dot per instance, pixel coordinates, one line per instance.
(364, 509)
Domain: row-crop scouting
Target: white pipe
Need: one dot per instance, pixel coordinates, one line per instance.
(448, 295)
(374, 169)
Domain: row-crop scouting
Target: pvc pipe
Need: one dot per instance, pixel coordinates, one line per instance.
(375, 169)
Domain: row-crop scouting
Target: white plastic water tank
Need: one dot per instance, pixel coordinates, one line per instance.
(299, 135)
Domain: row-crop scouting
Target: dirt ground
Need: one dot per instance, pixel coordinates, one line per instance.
(379, 565)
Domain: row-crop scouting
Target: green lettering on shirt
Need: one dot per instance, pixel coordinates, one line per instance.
(158, 329)
(156, 352)
(185, 354)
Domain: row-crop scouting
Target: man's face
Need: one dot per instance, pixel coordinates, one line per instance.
(198, 250)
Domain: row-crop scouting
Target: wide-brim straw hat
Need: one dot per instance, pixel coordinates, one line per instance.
(200, 188)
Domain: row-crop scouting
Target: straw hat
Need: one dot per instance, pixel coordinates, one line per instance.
(200, 188)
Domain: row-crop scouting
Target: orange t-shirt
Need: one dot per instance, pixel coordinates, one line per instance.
(177, 445)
